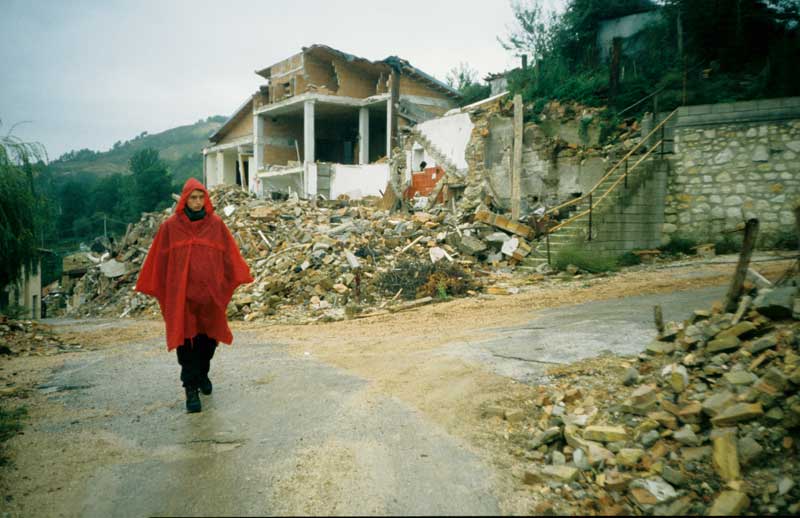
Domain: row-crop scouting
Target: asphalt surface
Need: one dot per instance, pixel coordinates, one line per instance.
(283, 434)
(275, 426)
(567, 334)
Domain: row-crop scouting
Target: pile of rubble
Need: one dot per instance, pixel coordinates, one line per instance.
(705, 422)
(30, 338)
(314, 262)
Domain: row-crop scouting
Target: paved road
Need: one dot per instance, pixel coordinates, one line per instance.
(277, 430)
(562, 335)
(291, 435)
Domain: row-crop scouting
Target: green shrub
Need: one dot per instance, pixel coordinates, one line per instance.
(728, 244)
(629, 259)
(679, 245)
(586, 260)
(15, 312)
(785, 240)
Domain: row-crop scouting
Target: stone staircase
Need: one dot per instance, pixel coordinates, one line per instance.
(625, 215)
(441, 159)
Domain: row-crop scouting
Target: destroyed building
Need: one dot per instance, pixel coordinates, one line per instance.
(324, 124)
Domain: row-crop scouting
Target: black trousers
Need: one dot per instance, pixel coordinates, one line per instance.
(194, 356)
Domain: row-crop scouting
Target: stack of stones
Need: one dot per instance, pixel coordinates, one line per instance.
(705, 423)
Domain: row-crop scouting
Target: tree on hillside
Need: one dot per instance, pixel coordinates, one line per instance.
(693, 52)
(465, 79)
(18, 206)
(152, 180)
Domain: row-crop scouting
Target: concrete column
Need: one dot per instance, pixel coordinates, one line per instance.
(308, 131)
(363, 136)
(244, 180)
(389, 116)
(258, 143)
(220, 167)
(205, 168)
(310, 180)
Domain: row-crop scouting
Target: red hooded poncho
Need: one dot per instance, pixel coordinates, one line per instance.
(192, 269)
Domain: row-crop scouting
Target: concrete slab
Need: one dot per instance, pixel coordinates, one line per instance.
(566, 334)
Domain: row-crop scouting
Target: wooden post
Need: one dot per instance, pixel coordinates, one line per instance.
(616, 51)
(395, 100)
(516, 167)
(797, 224)
(547, 240)
(658, 317)
(735, 291)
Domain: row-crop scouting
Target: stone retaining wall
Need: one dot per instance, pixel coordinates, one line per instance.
(734, 161)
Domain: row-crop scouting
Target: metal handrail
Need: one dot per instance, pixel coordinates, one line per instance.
(613, 186)
(574, 201)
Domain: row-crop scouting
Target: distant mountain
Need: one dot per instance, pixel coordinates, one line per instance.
(180, 147)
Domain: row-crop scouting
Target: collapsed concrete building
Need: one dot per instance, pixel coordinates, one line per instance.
(325, 123)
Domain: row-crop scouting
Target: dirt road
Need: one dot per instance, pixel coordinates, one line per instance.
(375, 416)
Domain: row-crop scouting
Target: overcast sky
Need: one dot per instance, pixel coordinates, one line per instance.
(87, 73)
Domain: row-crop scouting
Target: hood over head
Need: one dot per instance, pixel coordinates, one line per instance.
(192, 184)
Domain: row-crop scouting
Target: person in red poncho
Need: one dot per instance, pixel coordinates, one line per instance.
(192, 268)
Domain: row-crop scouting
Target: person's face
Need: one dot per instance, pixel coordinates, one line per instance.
(196, 200)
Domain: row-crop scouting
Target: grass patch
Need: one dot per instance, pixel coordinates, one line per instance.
(679, 245)
(728, 244)
(10, 425)
(586, 260)
(785, 240)
(629, 259)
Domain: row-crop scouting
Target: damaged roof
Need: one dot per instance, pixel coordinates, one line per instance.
(246, 107)
(393, 62)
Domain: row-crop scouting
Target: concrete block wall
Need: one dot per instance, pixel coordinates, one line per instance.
(734, 161)
(632, 218)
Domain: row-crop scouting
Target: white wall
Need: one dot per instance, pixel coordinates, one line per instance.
(358, 181)
(212, 178)
(623, 27)
(23, 291)
(229, 160)
(284, 183)
(450, 135)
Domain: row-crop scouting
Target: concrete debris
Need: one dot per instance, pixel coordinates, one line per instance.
(31, 338)
(702, 429)
(336, 251)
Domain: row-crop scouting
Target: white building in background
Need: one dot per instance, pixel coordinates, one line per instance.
(324, 124)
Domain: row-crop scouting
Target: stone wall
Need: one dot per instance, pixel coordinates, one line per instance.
(732, 162)
(554, 166)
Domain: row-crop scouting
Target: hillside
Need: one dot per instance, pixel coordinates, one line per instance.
(180, 147)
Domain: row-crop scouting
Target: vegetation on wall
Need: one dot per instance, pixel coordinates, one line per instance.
(694, 52)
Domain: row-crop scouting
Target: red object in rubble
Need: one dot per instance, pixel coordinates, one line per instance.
(192, 269)
(423, 183)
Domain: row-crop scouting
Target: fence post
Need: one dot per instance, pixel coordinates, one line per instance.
(590, 217)
(547, 240)
(626, 173)
(735, 290)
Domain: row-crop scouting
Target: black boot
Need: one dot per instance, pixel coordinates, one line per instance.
(205, 386)
(192, 400)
